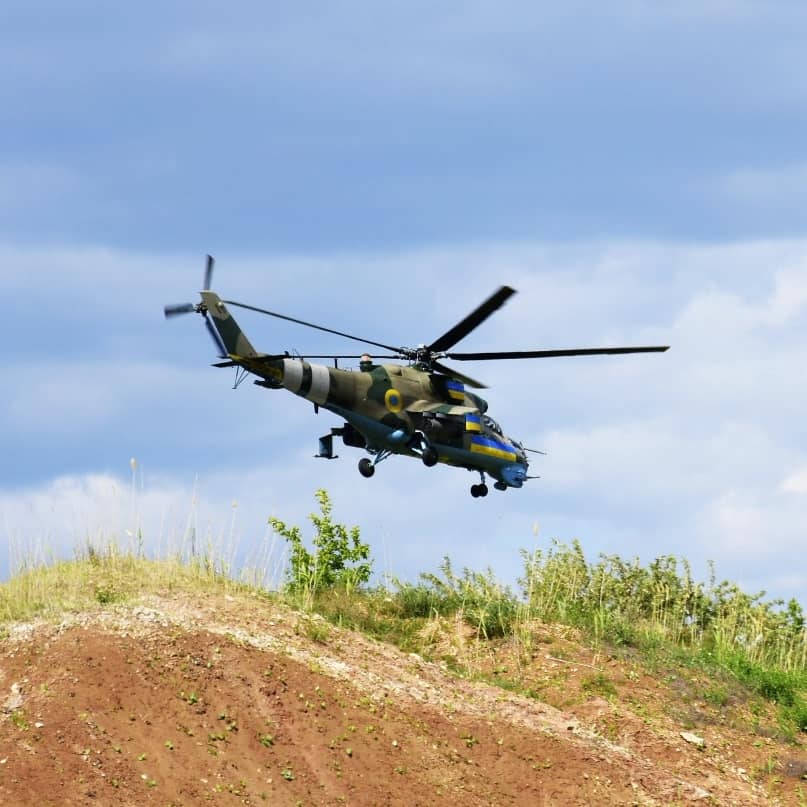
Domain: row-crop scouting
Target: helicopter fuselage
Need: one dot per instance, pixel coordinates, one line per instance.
(398, 409)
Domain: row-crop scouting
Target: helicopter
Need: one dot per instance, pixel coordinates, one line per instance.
(423, 408)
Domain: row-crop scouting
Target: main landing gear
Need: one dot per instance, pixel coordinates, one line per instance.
(429, 456)
(367, 466)
(480, 490)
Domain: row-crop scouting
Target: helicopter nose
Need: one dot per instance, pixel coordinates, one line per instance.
(515, 474)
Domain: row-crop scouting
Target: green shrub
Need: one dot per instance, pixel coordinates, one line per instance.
(339, 559)
(421, 601)
(797, 713)
(490, 608)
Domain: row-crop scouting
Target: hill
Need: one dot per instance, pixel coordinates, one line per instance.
(186, 696)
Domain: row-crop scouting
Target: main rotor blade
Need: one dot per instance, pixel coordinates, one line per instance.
(209, 272)
(473, 320)
(176, 310)
(216, 338)
(548, 354)
(457, 376)
(396, 350)
(339, 356)
(279, 356)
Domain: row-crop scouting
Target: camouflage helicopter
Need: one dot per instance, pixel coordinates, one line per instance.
(421, 409)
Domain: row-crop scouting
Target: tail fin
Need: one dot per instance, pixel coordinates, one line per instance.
(234, 339)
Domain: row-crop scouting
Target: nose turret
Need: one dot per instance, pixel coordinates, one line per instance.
(515, 474)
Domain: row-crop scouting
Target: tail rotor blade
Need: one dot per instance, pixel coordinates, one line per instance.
(209, 272)
(176, 310)
(214, 335)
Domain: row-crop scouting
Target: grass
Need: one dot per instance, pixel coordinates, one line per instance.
(102, 578)
(599, 684)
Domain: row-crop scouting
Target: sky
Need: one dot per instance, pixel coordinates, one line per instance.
(636, 170)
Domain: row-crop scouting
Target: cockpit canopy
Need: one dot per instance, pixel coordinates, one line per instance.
(491, 424)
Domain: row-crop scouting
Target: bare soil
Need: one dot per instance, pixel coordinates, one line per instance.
(218, 699)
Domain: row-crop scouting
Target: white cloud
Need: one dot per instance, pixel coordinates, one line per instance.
(796, 482)
(790, 296)
(684, 452)
(760, 537)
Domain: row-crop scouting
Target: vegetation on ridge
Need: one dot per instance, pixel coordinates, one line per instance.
(653, 611)
(658, 608)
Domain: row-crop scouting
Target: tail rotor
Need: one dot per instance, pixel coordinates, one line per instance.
(209, 272)
(178, 309)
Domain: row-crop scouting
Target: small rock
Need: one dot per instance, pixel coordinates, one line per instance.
(693, 739)
(14, 701)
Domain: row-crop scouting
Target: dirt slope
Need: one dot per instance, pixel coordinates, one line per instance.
(223, 700)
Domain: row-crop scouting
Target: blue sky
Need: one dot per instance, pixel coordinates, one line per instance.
(639, 174)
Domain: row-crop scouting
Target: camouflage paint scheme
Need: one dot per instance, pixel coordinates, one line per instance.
(388, 408)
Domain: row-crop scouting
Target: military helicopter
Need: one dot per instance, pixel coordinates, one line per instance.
(421, 409)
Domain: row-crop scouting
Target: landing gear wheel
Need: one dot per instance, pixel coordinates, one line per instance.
(429, 457)
(366, 467)
(500, 486)
(478, 491)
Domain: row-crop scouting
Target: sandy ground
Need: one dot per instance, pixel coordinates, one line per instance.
(231, 700)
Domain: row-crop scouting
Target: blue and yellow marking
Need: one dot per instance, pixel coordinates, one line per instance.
(456, 390)
(393, 400)
(492, 448)
(473, 423)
